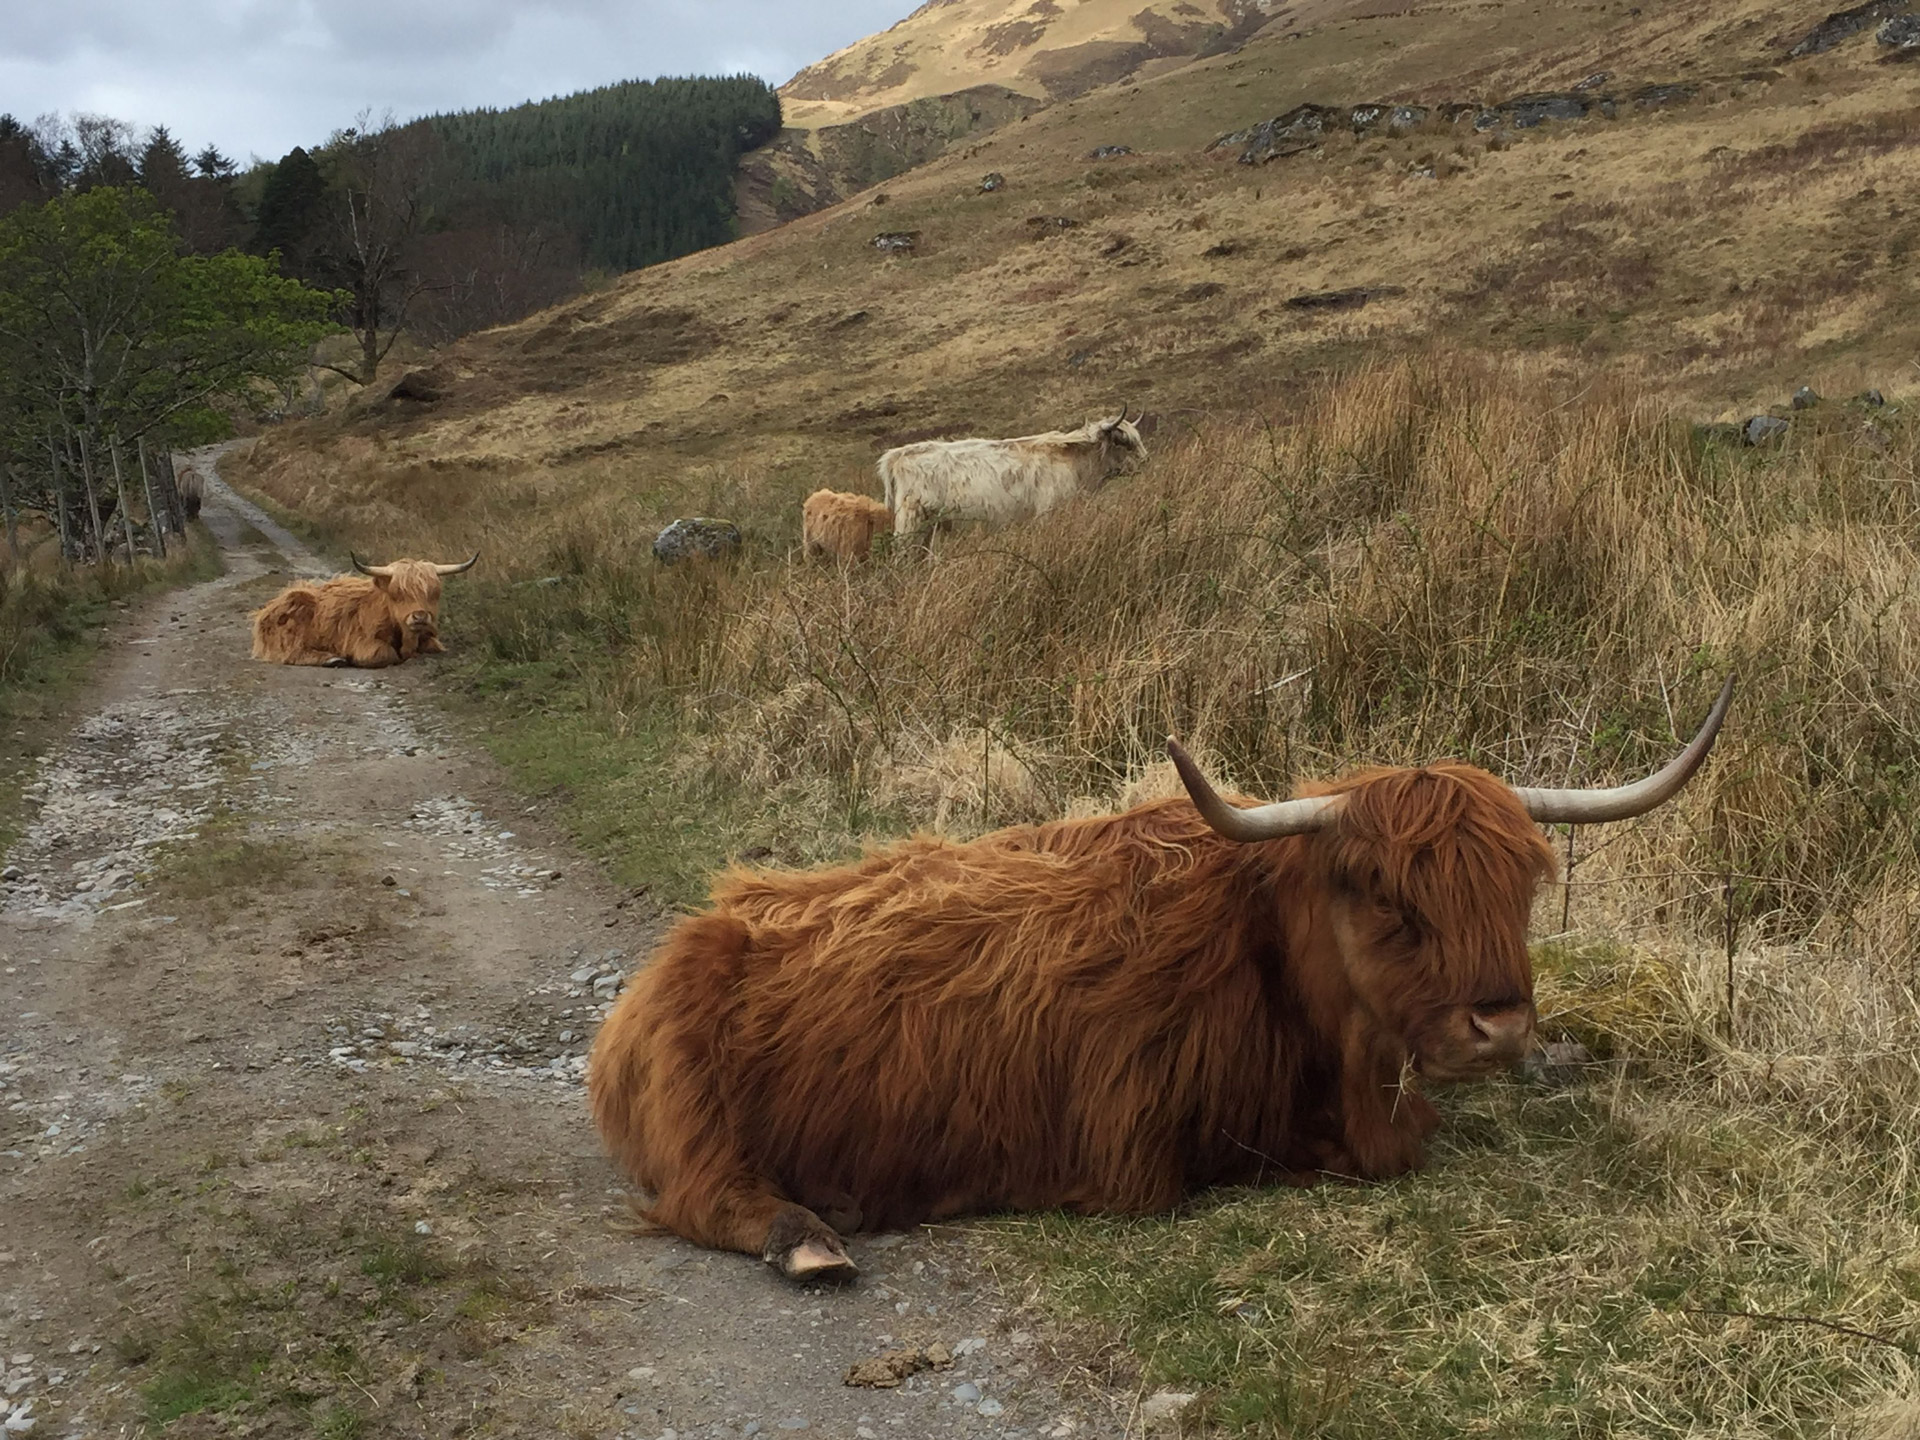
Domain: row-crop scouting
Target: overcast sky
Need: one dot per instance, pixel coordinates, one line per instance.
(257, 77)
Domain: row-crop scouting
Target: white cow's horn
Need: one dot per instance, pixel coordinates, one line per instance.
(379, 572)
(456, 569)
(1623, 802)
(1259, 822)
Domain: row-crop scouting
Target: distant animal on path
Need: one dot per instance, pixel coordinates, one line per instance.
(998, 481)
(379, 617)
(1100, 1015)
(837, 526)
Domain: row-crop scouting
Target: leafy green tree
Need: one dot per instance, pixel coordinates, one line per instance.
(109, 332)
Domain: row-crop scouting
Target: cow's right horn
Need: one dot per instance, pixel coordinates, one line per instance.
(379, 572)
(1623, 802)
(467, 564)
(1258, 822)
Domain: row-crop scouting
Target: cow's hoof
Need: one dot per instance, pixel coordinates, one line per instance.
(338, 662)
(800, 1247)
(813, 1260)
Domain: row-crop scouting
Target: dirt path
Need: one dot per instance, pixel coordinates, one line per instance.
(294, 999)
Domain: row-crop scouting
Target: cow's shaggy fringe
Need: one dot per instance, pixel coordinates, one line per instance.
(1429, 558)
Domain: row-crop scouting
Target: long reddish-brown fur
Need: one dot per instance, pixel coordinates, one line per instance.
(837, 526)
(1100, 1014)
(368, 621)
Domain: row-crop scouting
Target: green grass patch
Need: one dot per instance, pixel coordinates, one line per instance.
(613, 775)
(1574, 1262)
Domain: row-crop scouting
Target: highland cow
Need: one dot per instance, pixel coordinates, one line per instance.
(379, 617)
(937, 481)
(1101, 1015)
(840, 527)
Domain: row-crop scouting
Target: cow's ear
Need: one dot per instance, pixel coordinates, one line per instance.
(382, 582)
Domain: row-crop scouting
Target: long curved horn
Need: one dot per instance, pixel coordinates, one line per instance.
(1623, 802)
(1260, 822)
(457, 569)
(379, 572)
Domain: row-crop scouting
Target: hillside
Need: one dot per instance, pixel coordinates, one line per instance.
(1751, 233)
(957, 68)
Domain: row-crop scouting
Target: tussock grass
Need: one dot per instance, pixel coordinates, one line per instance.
(1717, 1230)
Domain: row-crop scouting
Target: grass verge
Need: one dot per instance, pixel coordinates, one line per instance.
(50, 625)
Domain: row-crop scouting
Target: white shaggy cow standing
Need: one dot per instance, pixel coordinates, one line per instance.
(1002, 480)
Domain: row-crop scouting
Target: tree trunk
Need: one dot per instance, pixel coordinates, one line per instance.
(60, 502)
(154, 520)
(157, 485)
(93, 502)
(6, 504)
(120, 485)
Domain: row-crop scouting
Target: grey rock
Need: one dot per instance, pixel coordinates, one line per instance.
(993, 180)
(989, 1407)
(1901, 35)
(1109, 152)
(966, 1392)
(896, 242)
(795, 1422)
(1593, 81)
(1766, 429)
(1805, 398)
(1527, 111)
(13, 872)
(1843, 25)
(1163, 1407)
(1867, 397)
(697, 537)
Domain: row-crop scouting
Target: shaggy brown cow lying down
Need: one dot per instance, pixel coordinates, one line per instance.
(383, 615)
(1100, 1015)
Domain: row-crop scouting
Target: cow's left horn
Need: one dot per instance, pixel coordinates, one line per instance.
(1623, 802)
(379, 572)
(1258, 822)
(457, 569)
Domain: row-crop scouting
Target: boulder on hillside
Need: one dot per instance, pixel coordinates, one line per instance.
(1843, 25)
(993, 180)
(1805, 398)
(1901, 35)
(1109, 152)
(897, 242)
(1872, 398)
(1766, 430)
(422, 387)
(697, 537)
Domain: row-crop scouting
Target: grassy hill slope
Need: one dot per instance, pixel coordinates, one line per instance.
(1729, 249)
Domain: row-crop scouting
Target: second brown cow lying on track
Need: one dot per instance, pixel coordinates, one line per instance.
(1099, 1014)
(837, 526)
(383, 615)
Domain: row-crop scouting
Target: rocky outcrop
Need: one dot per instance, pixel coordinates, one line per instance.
(1901, 35)
(1844, 25)
(1306, 126)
